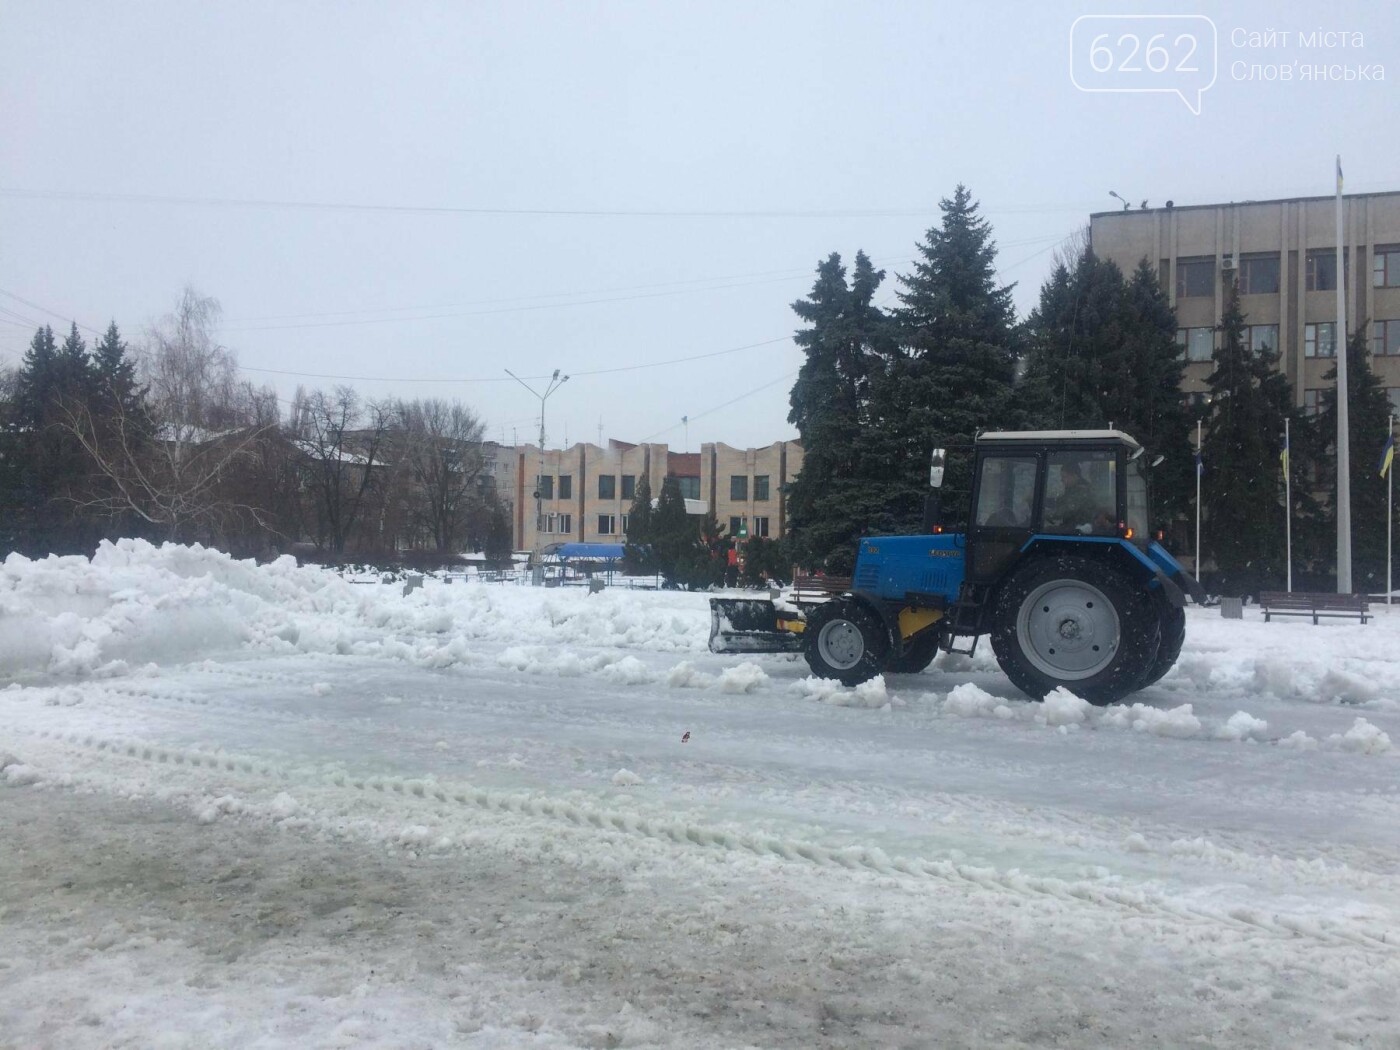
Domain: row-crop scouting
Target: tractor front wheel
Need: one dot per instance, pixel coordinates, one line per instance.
(1173, 638)
(845, 640)
(1075, 622)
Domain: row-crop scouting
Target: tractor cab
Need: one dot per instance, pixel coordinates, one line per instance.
(1052, 484)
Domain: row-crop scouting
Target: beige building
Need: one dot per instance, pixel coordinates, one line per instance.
(1283, 254)
(587, 490)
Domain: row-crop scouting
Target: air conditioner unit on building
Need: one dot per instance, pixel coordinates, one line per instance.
(1227, 262)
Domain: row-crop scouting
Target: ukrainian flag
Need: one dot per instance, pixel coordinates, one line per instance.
(1387, 455)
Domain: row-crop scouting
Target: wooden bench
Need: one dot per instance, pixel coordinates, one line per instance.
(1303, 603)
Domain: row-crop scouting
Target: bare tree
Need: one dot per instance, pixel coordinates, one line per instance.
(176, 485)
(191, 380)
(344, 442)
(1070, 250)
(441, 451)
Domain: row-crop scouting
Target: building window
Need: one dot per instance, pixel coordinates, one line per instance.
(607, 524)
(566, 524)
(690, 487)
(736, 527)
(547, 486)
(760, 488)
(1199, 343)
(1385, 268)
(1385, 338)
(566, 486)
(1319, 340)
(607, 486)
(1259, 275)
(1393, 392)
(624, 524)
(629, 488)
(1322, 270)
(1261, 337)
(738, 487)
(760, 527)
(548, 523)
(1195, 278)
(1312, 402)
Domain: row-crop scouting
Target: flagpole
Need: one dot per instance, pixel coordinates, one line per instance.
(1339, 346)
(1288, 501)
(1198, 499)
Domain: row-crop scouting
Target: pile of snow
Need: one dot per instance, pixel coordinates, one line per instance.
(133, 603)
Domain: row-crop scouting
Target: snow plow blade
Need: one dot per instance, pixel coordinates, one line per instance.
(752, 625)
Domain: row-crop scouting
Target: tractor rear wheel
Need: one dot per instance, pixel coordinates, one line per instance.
(1173, 638)
(1075, 622)
(918, 654)
(845, 640)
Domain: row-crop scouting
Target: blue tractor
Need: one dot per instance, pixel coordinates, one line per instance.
(1056, 566)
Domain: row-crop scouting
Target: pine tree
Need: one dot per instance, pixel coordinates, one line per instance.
(637, 552)
(1242, 486)
(75, 368)
(956, 365)
(840, 494)
(39, 381)
(114, 374)
(673, 533)
(1158, 416)
(1368, 419)
(1078, 370)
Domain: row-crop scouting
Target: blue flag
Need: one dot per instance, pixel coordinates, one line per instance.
(1200, 464)
(1387, 455)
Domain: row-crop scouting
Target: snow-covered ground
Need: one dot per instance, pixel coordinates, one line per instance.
(265, 807)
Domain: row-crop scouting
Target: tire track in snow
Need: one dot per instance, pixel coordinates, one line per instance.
(1094, 834)
(688, 836)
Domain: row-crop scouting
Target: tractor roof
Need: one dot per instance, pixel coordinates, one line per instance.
(1051, 437)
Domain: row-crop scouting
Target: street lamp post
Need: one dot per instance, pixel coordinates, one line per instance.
(555, 382)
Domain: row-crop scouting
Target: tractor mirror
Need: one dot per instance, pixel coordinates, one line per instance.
(935, 469)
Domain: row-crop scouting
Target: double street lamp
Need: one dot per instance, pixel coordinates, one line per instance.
(555, 382)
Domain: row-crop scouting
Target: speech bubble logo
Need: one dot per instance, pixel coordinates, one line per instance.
(1175, 54)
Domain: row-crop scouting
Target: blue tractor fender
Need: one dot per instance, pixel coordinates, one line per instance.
(1158, 568)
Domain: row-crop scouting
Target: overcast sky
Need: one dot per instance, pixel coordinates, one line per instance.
(826, 127)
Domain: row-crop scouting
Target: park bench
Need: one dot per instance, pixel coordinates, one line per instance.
(1303, 603)
(810, 590)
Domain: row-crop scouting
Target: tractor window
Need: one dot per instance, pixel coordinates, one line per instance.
(1080, 493)
(1006, 492)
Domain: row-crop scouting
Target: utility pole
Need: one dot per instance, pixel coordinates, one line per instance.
(1339, 347)
(554, 384)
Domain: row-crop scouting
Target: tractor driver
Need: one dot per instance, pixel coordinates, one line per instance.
(1076, 508)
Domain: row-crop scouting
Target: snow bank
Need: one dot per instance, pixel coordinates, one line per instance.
(133, 603)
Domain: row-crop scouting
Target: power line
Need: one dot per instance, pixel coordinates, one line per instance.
(692, 417)
(498, 379)
(426, 209)
(501, 310)
(46, 310)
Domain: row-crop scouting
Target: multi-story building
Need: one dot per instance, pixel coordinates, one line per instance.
(1283, 254)
(586, 491)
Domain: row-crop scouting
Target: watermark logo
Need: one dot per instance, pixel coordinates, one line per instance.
(1176, 54)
